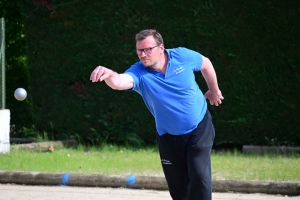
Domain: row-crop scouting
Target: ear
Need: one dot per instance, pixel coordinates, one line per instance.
(162, 48)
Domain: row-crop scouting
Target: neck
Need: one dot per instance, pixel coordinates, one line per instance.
(163, 63)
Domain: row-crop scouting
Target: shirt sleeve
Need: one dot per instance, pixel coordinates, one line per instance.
(133, 71)
(194, 58)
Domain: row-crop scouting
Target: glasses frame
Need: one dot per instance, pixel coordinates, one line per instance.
(140, 51)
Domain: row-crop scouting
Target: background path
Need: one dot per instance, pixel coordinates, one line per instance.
(24, 192)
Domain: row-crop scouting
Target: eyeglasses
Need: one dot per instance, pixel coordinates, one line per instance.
(146, 50)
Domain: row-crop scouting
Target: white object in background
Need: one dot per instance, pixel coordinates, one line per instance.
(4, 131)
(20, 94)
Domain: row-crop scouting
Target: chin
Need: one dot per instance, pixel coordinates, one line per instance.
(146, 64)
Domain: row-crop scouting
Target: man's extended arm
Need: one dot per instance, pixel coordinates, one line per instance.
(112, 79)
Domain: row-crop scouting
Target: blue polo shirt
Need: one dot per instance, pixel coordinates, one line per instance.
(173, 98)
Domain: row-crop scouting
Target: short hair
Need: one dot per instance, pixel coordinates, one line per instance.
(149, 32)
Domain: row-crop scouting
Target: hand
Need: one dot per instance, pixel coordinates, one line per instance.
(215, 97)
(100, 74)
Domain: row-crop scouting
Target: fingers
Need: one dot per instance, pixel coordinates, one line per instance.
(99, 73)
(93, 76)
(217, 102)
(214, 98)
(104, 76)
(214, 103)
(96, 74)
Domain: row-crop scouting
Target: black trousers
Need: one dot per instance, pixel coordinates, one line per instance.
(186, 161)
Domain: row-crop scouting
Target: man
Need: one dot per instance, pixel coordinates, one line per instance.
(185, 133)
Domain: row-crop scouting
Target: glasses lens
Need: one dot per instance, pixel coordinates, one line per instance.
(147, 51)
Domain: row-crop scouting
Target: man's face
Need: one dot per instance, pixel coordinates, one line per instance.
(149, 52)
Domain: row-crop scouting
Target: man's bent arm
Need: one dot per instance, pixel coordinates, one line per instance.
(213, 94)
(209, 74)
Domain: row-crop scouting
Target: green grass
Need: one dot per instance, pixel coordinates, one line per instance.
(123, 161)
(108, 160)
(238, 166)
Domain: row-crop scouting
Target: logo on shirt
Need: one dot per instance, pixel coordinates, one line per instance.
(178, 70)
(166, 162)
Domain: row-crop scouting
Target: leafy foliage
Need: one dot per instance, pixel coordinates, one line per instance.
(252, 44)
(16, 66)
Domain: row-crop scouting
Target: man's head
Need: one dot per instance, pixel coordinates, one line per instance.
(149, 47)
(149, 32)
